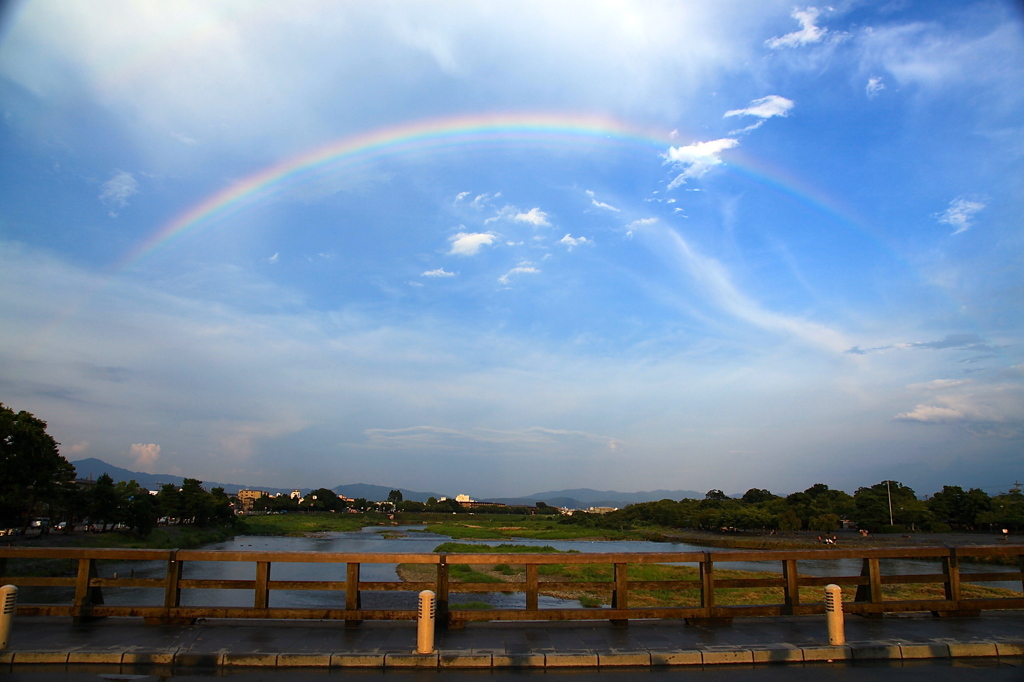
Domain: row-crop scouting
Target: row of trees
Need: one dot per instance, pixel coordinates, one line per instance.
(107, 505)
(326, 500)
(888, 506)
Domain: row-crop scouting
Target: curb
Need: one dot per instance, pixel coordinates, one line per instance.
(462, 659)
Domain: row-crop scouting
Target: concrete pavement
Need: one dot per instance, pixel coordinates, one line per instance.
(125, 644)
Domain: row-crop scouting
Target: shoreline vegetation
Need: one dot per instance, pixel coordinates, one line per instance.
(552, 576)
(488, 527)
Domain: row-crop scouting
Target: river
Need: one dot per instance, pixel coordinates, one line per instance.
(409, 540)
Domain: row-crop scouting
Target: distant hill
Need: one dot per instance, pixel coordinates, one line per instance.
(381, 492)
(583, 498)
(94, 468)
(576, 498)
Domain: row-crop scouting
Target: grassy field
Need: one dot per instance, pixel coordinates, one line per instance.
(552, 576)
(303, 524)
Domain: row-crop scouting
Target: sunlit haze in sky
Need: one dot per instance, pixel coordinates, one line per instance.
(499, 248)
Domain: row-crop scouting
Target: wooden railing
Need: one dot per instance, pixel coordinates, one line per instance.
(83, 571)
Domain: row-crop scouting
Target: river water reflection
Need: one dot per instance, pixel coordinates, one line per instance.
(410, 540)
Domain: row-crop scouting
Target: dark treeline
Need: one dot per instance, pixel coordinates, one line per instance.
(888, 506)
(326, 500)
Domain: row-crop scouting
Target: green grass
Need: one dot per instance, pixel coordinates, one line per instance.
(504, 548)
(501, 526)
(302, 524)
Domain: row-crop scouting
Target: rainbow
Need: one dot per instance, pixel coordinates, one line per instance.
(427, 136)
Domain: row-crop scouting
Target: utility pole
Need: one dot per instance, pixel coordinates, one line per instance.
(887, 490)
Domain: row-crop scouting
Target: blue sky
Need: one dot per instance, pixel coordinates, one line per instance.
(699, 245)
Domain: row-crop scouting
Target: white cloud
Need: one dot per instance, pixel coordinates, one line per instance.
(569, 241)
(481, 199)
(523, 268)
(145, 455)
(932, 414)
(600, 204)
(440, 272)
(273, 259)
(117, 190)
(809, 32)
(696, 159)
(534, 216)
(874, 86)
(460, 196)
(470, 243)
(960, 214)
(765, 107)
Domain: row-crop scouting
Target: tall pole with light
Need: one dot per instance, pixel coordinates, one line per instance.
(889, 492)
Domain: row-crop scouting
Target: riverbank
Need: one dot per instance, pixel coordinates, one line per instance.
(554, 580)
(165, 537)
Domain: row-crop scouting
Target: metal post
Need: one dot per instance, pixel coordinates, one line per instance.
(8, 600)
(834, 614)
(425, 623)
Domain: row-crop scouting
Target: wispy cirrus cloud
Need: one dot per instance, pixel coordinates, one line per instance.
(960, 214)
(600, 204)
(763, 108)
(439, 272)
(809, 31)
(416, 437)
(117, 190)
(524, 268)
(874, 86)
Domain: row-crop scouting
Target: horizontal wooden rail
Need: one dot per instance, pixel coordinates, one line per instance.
(698, 599)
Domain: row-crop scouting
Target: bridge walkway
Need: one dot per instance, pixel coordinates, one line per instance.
(125, 644)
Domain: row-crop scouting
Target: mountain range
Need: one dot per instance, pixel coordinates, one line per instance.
(575, 498)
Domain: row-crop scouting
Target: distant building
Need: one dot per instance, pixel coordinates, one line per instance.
(248, 497)
(602, 510)
(296, 495)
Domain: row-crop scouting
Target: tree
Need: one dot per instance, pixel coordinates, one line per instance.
(31, 467)
(139, 510)
(757, 495)
(873, 506)
(395, 496)
(104, 503)
(957, 508)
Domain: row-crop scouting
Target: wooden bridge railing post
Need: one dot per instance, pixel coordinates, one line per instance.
(951, 569)
(532, 587)
(85, 595)
(872, 592)
(791, 591)
(620, 593)
(707, 594)
(442, 614)
(353, 601)
(262, 596)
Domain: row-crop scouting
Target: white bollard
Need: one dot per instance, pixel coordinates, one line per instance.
(834, 613)
(425, 623)
(8, 600)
